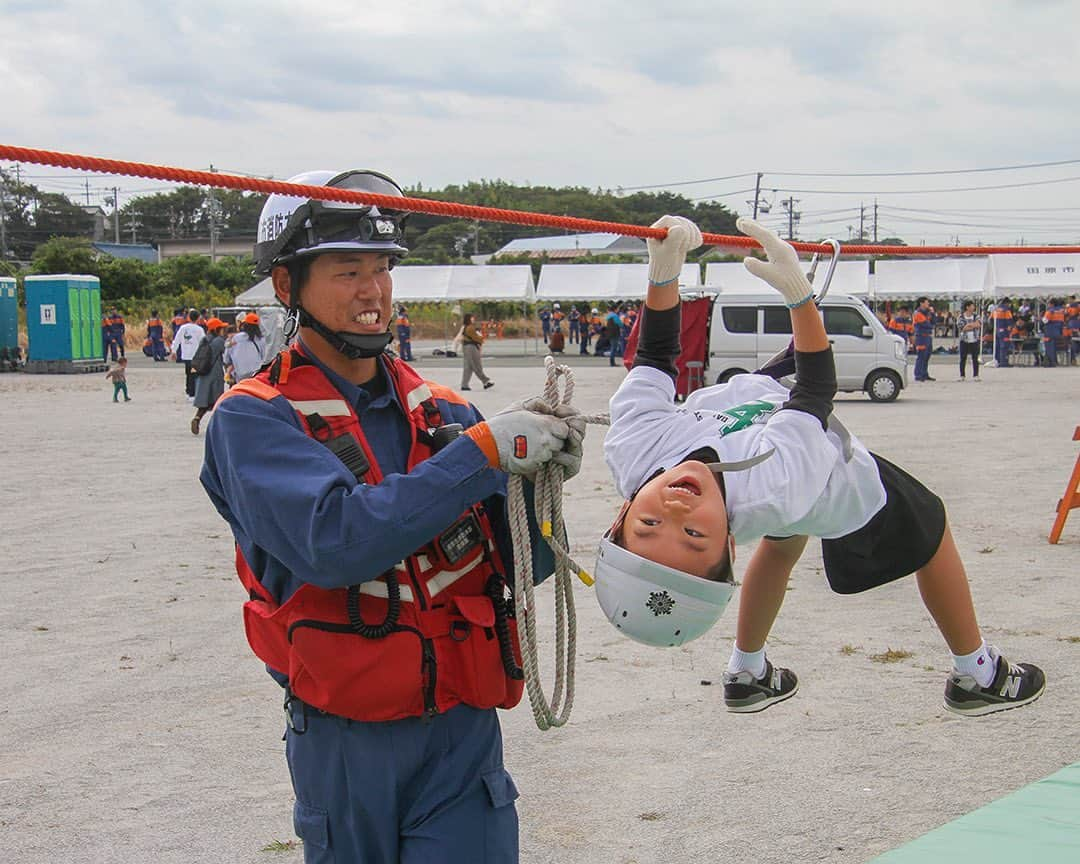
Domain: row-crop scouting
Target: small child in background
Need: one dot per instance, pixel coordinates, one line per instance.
(119, 379)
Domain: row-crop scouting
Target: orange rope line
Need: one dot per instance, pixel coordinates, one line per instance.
(460, 211)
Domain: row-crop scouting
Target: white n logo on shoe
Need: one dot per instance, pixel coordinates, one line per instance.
(776, 680)
(1011, 687)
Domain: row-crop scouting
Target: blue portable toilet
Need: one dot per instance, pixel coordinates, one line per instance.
(9, 313)
(63, 323)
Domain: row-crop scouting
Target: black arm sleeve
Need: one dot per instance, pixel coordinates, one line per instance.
(658, 339)
(815, 384)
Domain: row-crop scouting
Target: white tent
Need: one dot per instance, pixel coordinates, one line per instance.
(936, 278)
(603, 281)
(1033, 275)
(439, 282)
(851, 277)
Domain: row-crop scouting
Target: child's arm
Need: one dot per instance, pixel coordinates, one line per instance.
(658, 333)
(815, 371)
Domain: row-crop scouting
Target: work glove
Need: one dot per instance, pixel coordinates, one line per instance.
(667, 256)
(782, 270)
(570, 456)
(526, 439)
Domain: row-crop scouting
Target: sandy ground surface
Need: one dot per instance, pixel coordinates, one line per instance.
(135, 724)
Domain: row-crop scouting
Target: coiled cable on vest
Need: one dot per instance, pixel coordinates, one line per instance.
(547, 498)
(393, 609)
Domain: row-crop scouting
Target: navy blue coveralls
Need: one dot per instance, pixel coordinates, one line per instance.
(413, 791)
(924, 342)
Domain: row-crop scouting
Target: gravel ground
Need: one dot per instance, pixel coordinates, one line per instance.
(137, 726)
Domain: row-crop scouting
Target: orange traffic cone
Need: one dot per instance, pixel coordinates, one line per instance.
(1071, 498)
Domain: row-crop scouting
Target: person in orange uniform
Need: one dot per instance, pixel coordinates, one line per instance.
(922, 323)
(1002, 317)
(900, 324)
(1053, 329)
(404, 335)
(155, 332)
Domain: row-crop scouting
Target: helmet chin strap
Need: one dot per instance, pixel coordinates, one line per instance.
(355, 346)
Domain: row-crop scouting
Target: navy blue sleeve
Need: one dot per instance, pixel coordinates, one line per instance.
(295, 499)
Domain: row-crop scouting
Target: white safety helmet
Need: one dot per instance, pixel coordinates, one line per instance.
(654, 604)
(290, 226)
(557, 306)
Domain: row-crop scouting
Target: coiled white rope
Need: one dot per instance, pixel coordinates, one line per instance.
(547, 500)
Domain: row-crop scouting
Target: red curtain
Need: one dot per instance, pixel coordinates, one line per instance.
(695, 328)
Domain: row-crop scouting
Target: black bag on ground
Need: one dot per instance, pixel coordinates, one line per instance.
(202, 360)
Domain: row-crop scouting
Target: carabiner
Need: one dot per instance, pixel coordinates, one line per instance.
(835, 244)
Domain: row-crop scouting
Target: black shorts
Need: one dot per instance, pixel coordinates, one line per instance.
(901, 538)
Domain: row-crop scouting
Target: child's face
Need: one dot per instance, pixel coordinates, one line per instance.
(678, 519)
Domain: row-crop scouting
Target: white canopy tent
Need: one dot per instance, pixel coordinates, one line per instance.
(450, 282)
(851, 277)
(936, 278)
(1044, 275)
(603, 281)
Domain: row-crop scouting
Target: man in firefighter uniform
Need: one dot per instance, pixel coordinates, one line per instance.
(369, 514)
(1002, 317)
(1053, 329)
(900, 324)
(923, 327)
(404, 335)
(155, 332)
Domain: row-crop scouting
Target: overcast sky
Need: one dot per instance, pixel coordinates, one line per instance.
(598, 94)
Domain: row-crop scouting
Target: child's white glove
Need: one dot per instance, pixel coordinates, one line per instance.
(667, 256)
(782, 270)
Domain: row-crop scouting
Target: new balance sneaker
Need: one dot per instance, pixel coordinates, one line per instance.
(744, 694)
(1015, 684)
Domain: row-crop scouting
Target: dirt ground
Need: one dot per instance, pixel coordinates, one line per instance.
(136, 725)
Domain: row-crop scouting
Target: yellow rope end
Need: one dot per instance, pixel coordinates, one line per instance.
(586, 578)
(545, 529)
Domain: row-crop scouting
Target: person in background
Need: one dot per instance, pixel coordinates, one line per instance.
(471, 343)
(119, 379)
(404, 335)
(1003, 323)
(574, 319)
(586, 328)
(557, 317)
(244, 352)
(613, 333)
(183, 347)
(119, 331)
(923, 324)
(969, 330)
(545, 324)
(179, 318)
(900, 324)
(155, 332)
(1072, 328)
(1053, 328)
(210, 387)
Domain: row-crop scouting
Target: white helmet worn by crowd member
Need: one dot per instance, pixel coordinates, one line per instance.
(292, 228)
(655, 604)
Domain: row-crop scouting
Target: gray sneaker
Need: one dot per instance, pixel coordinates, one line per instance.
(1014, 684)
(744, 694)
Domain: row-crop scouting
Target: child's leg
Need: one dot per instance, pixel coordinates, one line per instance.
(123, 386)
(115, 391)
(763, 588)
(944, 587)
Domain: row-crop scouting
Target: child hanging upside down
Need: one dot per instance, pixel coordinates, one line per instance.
(751, 459)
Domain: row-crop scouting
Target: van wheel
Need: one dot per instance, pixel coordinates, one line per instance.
(727, 375)
(882, 385)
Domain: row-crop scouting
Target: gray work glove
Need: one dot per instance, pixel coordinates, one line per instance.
(570, 457)
(667, 256)
(526, 439)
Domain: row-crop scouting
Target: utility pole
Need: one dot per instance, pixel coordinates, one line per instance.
(213, 222)
(134, 224)
(875, 220)
(116, 214)
(757, 194)
(862, 219)
(88, 192)
(793, 215)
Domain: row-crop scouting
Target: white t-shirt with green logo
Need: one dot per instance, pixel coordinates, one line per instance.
(805, 487)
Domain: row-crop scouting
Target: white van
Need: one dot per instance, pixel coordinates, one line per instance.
(747, 329)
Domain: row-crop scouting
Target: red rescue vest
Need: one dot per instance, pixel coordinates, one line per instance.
(358, 652)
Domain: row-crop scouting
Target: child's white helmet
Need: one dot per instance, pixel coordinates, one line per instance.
(654, 604)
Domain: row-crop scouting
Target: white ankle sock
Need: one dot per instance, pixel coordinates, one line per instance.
(979, 664)
(747, 661)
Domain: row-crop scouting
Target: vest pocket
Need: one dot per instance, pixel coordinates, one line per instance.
(343, 673)
(472, 671)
